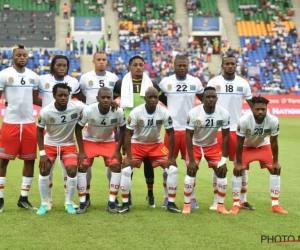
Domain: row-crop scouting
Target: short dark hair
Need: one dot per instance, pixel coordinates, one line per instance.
(260, 99)
(99, 52)
(209, 88)
(54, 61)
(18, 46)
(62, 86)
(228, 56)
(180, 57)
(136, 57)
(104, 89)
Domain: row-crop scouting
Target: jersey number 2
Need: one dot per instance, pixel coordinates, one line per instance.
(181, 87)
(63, 119)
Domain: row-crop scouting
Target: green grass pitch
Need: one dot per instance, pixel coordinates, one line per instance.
(144, 228)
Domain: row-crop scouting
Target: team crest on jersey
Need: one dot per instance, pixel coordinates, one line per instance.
(239, 89)
(111, 84)
(169, 87)
(198, 123)
(248, 131)
(188, 120)
(31, 81)
(47, 85)
(10, 80)
(192, 87)
(218, 88)
(140, 122)
(92, 120)
(128, 120)
(90, 83)
(52, 120)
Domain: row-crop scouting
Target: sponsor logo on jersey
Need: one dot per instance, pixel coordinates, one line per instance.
(47, 85)
(169, 87)
(192, 87)
(198, 123)
(219, 122)
(248, 131)
(90, 83)
(140, 122)
(239, 89)
(115, 120)
(10, 80)
(159, 122)
(111, 84)
(52, 120)
(128, 120)
(92, 120)
(74, 116)
(218, 88)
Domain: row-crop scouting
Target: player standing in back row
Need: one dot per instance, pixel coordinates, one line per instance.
(180, 89)
(231, 90)
(90, 83)
(19, 85)
(59, 69)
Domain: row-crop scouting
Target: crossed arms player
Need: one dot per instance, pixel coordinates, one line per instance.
(99, 140)
(257, 140)
(142, 139)
(202, 127)
(59, 119)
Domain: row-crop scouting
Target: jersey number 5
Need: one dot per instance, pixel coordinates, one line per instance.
(181, 87)
(101, 83)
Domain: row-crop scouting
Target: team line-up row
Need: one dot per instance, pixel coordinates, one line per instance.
(191, 130)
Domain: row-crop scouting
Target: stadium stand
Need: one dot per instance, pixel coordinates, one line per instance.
(269, 43)
(83, 8)
(197, 8)
(39, 61)
(31, 28)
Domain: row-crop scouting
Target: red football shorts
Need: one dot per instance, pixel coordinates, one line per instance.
(157, 154)
(68, 154)
(262, 154)
(231, 145)
(18, 140)
(96, 149)
(212, 155)
(180, 143)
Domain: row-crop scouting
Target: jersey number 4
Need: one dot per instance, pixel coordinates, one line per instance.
(181, 87)
(103, 122)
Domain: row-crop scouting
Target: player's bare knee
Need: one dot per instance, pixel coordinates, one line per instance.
(45, 172)
(83, 168)
(71, 171)
(3, 163)
(116, 168)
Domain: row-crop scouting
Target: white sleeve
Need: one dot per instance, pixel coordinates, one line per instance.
(200, 88)
(247, 92)
(116, 78)
(226, 121)
(36, 82)
(76, 87)
(162, 85)
(241, 129)
(211, 83)
(190, 123)
(131, 121)
(82, 83)
(122, 119)
(80, 106)
(168, 121)
(42, 120)
(2, 81)
(275, 128)
(83, 118)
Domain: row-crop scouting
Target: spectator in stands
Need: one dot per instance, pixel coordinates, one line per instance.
(68, 42)
(74, 44)
(89, 48)
(65, 9)
(74, 7)
(101, 44)
(108, 32)
(82, 47)
(6, 6)
(51, 5)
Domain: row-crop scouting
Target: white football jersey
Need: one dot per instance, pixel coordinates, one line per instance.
(60, 125)
(101, 126)
(90, 83)
(47, 82)
(257, 135)
(147, 126)
(17, 88)
(206, 125)
(180, 97)
(230, 96)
